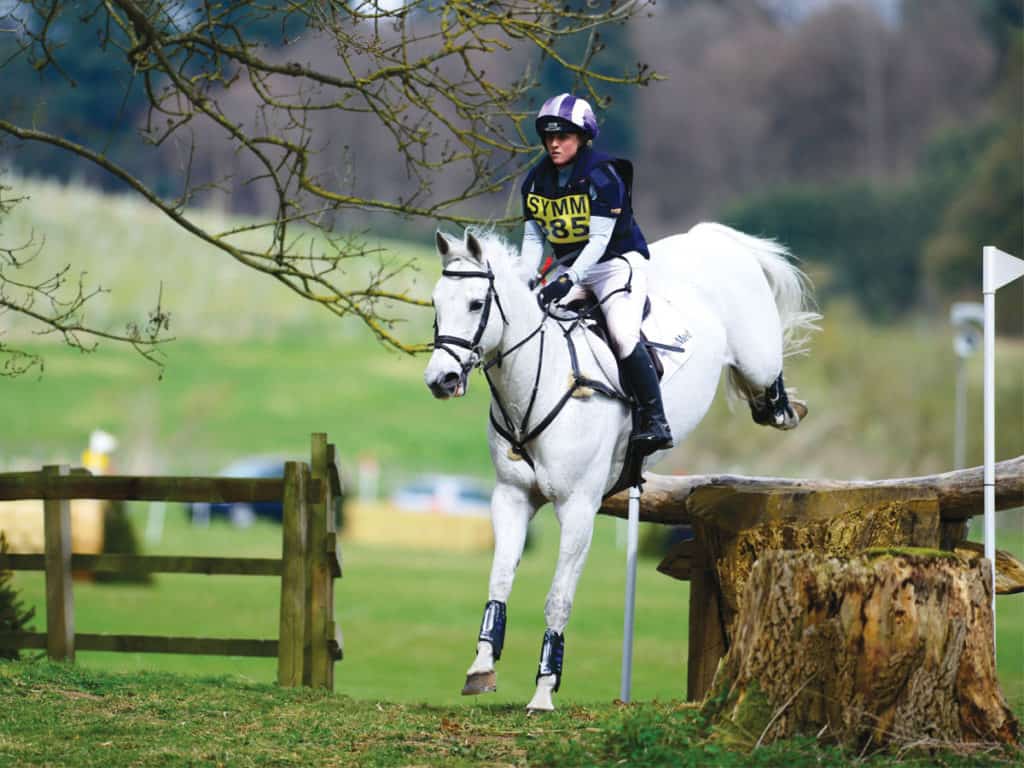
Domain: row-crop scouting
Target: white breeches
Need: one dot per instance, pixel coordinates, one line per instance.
(623, 310)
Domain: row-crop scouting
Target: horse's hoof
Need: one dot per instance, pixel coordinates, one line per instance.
(480, 682)
(541, 701)
(791, 417)
(799, 408)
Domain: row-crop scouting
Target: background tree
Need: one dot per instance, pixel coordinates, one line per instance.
(988, 204)
(14, 616)
(235, 97)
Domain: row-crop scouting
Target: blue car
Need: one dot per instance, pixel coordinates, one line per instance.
(242, 514)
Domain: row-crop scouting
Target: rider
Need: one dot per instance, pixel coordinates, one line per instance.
(579, 201)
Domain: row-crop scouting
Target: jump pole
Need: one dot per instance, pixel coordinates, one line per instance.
(998, 269)
(632, 544)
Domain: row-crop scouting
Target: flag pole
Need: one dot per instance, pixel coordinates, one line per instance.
(997, 269)
(632, 544)
(989, 294)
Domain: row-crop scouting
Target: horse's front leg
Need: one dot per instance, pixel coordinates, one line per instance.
(576, 516)
(511, 511)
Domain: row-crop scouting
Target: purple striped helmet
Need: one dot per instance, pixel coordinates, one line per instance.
(565, 113)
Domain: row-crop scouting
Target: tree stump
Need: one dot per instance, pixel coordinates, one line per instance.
(736, 529)
(892, 648)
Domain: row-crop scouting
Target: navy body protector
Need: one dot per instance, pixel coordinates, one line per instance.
(599, 185)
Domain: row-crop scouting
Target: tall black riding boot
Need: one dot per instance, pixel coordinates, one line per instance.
(653, 433)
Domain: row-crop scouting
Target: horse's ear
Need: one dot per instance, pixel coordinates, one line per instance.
(474, 247)
(443, 246)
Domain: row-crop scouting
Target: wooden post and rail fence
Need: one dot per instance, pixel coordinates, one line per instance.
(309, 640)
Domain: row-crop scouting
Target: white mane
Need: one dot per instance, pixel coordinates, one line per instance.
(501, 254)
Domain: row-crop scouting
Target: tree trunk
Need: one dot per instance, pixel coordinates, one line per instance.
(736, 529)
(891, 648)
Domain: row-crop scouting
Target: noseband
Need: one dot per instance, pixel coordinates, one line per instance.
(445, 342)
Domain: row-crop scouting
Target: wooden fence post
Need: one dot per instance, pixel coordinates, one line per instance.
(335, 499)
(707, 634)
(294, 568)
(60, 602)
(321, 578)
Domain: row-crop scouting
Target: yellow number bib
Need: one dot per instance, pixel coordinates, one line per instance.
(564, 219)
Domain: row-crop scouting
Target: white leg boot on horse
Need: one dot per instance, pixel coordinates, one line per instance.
(511, 511)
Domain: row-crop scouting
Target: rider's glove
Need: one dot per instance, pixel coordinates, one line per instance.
(554, 291)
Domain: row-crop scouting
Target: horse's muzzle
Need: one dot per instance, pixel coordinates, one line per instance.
(448, 385)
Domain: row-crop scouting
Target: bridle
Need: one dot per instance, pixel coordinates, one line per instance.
(517, 435)
(445, 342)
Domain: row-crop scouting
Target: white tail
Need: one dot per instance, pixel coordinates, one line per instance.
(790, 286)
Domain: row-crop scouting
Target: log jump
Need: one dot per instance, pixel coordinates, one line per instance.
(735, 519)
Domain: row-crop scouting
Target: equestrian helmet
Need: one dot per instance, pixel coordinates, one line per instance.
(565, 113)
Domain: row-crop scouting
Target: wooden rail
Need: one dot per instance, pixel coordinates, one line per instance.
(671, 499)
(110, 563)
(309, 640)
(39, 485)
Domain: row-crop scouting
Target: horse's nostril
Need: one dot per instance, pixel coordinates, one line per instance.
(450, 379)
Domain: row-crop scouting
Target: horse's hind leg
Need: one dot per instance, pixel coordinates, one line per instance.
(576, 516)
(756, 376)
(511, 510)
(774, 408)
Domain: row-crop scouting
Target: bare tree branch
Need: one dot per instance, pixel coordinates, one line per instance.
(57, 302)
(447, 82)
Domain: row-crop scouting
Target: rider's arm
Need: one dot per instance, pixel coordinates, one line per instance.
(600, 234)
(533, 245)
(608, 197)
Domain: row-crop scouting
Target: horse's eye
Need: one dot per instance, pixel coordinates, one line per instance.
(476, 305)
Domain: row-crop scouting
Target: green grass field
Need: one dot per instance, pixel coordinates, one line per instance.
(52, 714)
(409, 617)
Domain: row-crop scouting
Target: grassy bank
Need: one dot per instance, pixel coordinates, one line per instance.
(137, 255)
(57, 715)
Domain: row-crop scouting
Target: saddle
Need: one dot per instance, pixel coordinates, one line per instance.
(596, 324)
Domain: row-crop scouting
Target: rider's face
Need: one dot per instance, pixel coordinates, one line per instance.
(562, 147)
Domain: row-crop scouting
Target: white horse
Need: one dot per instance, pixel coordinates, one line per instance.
(731, 299)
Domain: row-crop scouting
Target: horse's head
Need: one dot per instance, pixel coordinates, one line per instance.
(469, 319)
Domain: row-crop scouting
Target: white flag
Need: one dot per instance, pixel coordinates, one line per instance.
(999, 268)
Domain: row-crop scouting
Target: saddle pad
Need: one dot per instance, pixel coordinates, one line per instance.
(666, 325)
